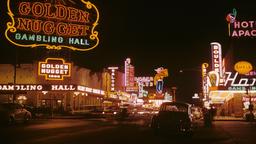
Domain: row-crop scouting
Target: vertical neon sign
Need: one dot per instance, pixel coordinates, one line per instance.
(217, 59)
(204, 80)
(129, 73)
(113, 70)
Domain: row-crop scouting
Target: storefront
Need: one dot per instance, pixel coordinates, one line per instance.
(71, 93)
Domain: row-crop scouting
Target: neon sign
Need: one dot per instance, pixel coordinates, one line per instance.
(243, 67)
(204, 79)
(146, 81)
(216, 58)
(232, 81)
(54, 69)
(21, 87)
(242, 82)
(240, 28)
(129, 73)
(113, 77)
(54, 25)
(158, 79)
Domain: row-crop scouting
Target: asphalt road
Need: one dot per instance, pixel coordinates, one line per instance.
(102, 131)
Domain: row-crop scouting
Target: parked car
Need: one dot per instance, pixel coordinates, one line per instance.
(173, 117)
(248, 116)
(13, 112)
(196, 113)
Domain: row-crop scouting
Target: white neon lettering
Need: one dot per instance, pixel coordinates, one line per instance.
(243, 82)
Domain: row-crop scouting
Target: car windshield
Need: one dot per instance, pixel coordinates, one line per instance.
(175, 108)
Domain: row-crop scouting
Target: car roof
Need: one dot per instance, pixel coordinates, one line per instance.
(176, 103)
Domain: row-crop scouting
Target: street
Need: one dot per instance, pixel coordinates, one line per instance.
(105, 131)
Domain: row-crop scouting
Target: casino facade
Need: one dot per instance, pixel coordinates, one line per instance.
(59, 85)
(226, 84)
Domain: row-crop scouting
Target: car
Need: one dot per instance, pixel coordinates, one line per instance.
(173, 117)
(110, 111)
(249, 116)
(14, 112)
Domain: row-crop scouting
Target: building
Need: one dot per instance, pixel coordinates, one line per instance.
(81, 88)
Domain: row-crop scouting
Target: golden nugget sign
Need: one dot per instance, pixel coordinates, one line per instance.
(54, 69)
(54, 24)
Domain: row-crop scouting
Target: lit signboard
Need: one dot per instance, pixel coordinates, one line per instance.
(161, 73)
(129, 76)
(20, 87)
(143, 82)
(54, 24)
(113, 77)
(54, 69)
(39, 87)
(129, 73)
(217, 60)
(146, 81)
(233, 82)
(243, 67)
(240, 28)
(204, 80)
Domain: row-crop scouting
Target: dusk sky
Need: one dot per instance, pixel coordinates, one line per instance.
(175, 35)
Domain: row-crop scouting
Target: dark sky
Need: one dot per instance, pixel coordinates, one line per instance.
(172, 34)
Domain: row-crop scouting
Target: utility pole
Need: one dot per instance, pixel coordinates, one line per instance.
(174, 93)
(14, 82)
(14, 75)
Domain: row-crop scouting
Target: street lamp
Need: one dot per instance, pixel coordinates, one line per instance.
(174, 93)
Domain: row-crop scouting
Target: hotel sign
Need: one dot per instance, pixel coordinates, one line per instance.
(240, 28)
(54, 69)
(54, 24)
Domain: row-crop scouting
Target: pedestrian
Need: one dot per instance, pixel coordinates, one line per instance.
(207, 117)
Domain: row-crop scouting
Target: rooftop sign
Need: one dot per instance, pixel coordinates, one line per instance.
(54, 25)
(54, 69)
(236, 28)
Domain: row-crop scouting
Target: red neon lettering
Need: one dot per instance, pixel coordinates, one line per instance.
(48, 27)
(48, 13)
(24, 8)
(38, 9)
(47, 10)
(61, 12)
(24, 24)
(61, 29)
(36, 26)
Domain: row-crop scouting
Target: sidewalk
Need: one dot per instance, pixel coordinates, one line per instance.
(69, 116)
(228, 118)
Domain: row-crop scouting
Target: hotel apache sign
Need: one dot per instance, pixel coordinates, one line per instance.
(240, 28)
(54, 24)
(54, 69)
